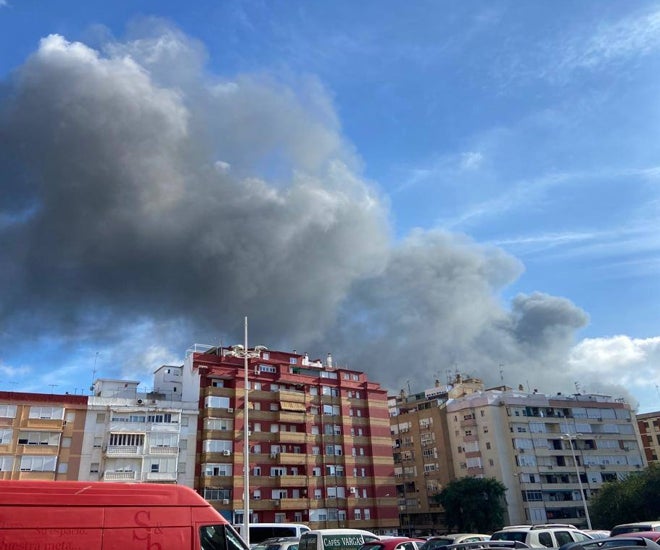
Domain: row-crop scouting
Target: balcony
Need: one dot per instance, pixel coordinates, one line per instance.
(290, 503)
(292, 417)
(294, 459)
(287, 437)
(47, 423)
(167, 451)
(161, 476)
(119, 476)
(37, 450)
(292, 481)
(291, 396)
(124, 450)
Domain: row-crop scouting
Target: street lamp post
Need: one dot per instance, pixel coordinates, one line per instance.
(244, 352)
(570, 439)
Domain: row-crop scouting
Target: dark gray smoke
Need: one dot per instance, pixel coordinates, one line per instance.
(148, 205)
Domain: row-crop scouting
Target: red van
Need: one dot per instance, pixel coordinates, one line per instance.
(79, 515)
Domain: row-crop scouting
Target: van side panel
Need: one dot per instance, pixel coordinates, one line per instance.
(60, 515)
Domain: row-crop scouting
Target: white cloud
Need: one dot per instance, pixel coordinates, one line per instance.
(599, 363)
(471, 160)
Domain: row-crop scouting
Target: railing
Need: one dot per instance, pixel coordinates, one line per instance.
(163, 450)
(120, 476)
(124, 450)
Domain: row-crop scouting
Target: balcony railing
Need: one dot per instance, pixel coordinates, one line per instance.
(120, 476)
(132, 450)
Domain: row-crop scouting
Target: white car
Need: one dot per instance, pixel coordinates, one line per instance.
(546, 535)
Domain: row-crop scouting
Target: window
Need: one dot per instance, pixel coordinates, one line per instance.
(217, 469)
(47, 413)
(181, 468)
(217, 445)
(6, 463)
(545, 539)
(100, 418)
(94, 468)
(62, 468)
(163, 465)
(38, 463)
(5, 436)
(38, 438)
(126, 440)
(7, 411)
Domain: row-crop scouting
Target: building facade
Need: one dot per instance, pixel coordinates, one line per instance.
(41, 435)
(649, 430)
(319, 441)
(423, 461)
(137, 436)
(551, 452)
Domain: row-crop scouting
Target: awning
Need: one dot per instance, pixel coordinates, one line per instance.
(289, 406)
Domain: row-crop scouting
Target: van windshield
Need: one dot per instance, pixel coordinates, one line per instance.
(220, 537)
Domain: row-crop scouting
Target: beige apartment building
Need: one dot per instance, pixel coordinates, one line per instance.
(551, 452)
(423, 461)
(41, 435)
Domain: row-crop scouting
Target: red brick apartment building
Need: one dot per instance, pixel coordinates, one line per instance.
(319, 439)
(649, 429)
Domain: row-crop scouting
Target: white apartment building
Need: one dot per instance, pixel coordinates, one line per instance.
(138, 436)
(552, 452)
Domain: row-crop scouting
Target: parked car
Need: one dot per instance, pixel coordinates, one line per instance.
(651, 535)
(621, 541)
(635, 527)
(393, 543)
(548, 535)
(441, 541)
(277, 543)
(597, 533)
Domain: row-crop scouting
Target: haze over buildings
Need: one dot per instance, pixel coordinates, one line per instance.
(375, 181)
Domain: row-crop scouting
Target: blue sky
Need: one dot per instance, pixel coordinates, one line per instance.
(476, 180)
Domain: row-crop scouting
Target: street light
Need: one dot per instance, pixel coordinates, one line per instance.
(243, 351)
(570, 439)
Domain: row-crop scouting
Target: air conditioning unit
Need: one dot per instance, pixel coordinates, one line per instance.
(226, 453)
(230, 410)
(353, 490)
(225, 501)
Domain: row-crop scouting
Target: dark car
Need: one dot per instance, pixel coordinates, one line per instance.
(612, 542)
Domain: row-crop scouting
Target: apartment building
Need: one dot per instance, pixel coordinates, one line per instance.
(649, 429)
(551, 452)
(318, 438)
(41, 435)
(135, 436)
(423, 461)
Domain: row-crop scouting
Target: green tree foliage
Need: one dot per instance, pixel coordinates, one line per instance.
(473, 505)
(634, 498)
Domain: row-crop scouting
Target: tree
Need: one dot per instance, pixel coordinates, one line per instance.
(473, 505)
(631, 499)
